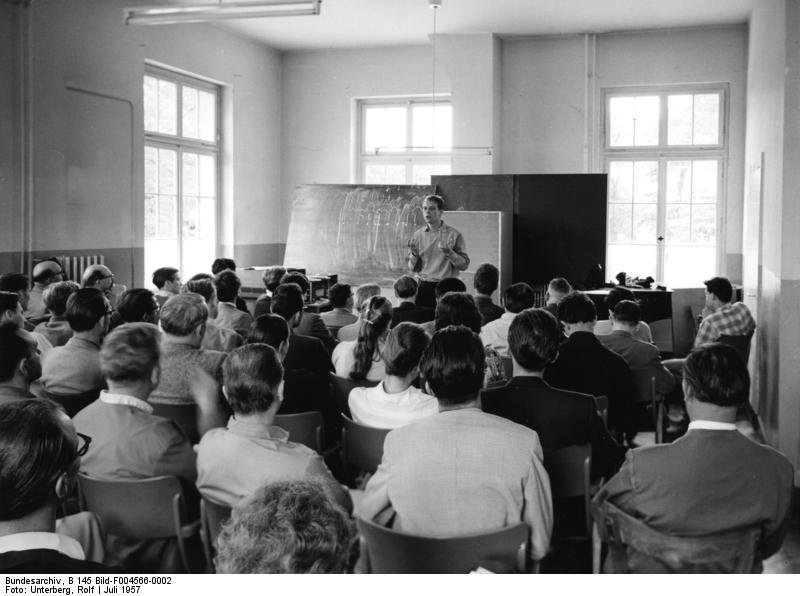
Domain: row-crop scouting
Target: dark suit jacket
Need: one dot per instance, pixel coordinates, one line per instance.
(586, 366)
(312, 325)
(408, 311)
(305, 391)
(262, 306)
(43, 560)
(308, 353)
(560, 418)
(488, 309)
(640, 355)
(706, 482)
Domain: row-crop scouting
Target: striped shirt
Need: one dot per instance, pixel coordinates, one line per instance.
(729, 319)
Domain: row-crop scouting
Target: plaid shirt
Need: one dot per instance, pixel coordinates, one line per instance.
(730, 319)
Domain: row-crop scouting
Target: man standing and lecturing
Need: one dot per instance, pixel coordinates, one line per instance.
(435, 251)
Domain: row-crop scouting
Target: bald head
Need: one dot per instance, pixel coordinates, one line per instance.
(98, 276)
(47, 272)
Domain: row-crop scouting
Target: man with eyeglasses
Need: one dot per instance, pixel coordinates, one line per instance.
(41, 457)
(44, 274)
(102, 278)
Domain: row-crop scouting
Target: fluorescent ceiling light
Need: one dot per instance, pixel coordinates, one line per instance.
(195, 13)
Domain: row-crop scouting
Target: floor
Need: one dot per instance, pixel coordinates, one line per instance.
(787, 559)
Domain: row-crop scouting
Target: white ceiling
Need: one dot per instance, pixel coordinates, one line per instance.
(360, 23)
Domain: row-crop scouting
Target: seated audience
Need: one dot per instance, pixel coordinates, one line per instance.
(45, 273)
(311, 324)
(341, 299)
(363, 295)
(713, 479)
(640, 355)
(137, 305)
(129, 442)
(360, 360)
(183, 323)
(460, 471)
(448, 284)
(229, 316)
(615, 295)
(304, 352)
(486, 281)
(168, 282)
(75, 367)
(19, 363)
(516, 298)
(587, 366)
(720, 315)
(101, 278)
(557, 290)
(40, 454)
(272, 279)
(292, 526)
(406, 288)
(11, 312)
(216, 338)
(233, 462)
(223, 264)
(394, 402)
(560, 418)
(56, 329)
(19, 284)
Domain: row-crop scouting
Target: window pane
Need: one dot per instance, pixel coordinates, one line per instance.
(633, 121)
(424, 125)
(150, 216)
(704, 181)
(688, 266)
(620, 110)
(190, 184)
(384, 127)
(190, 215)
(704, 224)
(207, 116)
(645, 182)
(620, 181)
(679, 120)
(150, 104)
(167, 216)
(644, 223)
(619, 223)
(678, 220)
(207, 218)
(167, 167)
(374, 174)
(189, 112)
(396, 174)
(679, 181)
(167, 107)
(635, 260)
(421, 173)
(150, 170)
(645, 121)
(208, 176)
(442, 169)
(706, 119)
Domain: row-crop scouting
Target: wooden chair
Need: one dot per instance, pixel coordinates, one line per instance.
(305, 428)
(391, 551)
(508, 366)
(141, 509)
(73, 403)
(645, 396)
(569, 469)
(340, 391)
(634, 547)
(741, 343)
(212, 516)
(362, 446)
(184, 415)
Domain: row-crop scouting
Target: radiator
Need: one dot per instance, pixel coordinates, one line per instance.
(75, 266)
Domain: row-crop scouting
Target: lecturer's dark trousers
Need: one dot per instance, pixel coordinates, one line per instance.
(426, 295)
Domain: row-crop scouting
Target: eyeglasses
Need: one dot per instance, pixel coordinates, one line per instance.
(83, 448)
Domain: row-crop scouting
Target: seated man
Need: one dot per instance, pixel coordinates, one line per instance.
(486, 280)
(272, 279)
(516, 298)
(40, 458)
(363, 294)
(233, 462)
(641, 356)
(222, 264)
(448, 284)
(713, 479)
(167, 280)
(460, 471)
(44, 274)
(405, 288)
(216, 338)
(129, 442)
(311, 324)
(587, 366)
(11, 313)
(19, 284)
(720, 316)
(292, 526)
(227, 284)
(75, 367)
(19, 363)
(557, 290)
(615, 295)
(56, 329)
(102, 278)
(137, 305)
(341, 299)
(560, 418)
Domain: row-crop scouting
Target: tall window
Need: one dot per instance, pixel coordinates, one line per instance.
(404, 141)
(181, 157)
(665, 152)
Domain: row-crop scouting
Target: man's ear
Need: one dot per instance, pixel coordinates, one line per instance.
(428, 389)
(155, 376)
(63, 485)
(298, 316)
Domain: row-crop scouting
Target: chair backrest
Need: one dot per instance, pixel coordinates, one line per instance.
(362, 446)
(635, 547)
(212, 516)
(74, 403)
(184, 415)
(602, 407)
(644, 385)
(340, 391)
(740, 343)
(569, 469)
(508, 366)
(305, 428)
(390, 551)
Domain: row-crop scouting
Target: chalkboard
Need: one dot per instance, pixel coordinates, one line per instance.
(360, 232)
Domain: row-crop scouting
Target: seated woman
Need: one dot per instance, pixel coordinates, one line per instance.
(394, 402)
(360, 360)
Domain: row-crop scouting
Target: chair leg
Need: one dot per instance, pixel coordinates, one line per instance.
(597, 547)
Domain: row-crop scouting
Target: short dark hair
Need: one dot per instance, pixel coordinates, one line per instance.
(487, 278)
(227, 284)
(272, 277)
(199, 276)
(616, 294)
(453, 365)
(34, 451)
(518, 297)
(338, 295)
(560, 285)
(364, 293)
(130, 352)
(14, 282)
(457, 308)
(449, 284)
(85, 308)
(628, 311)
(251, 376)
(163, 275)
(8, 301)
(222, 264)
(717, 374)
(721, 288)
(404, 347)
(272, 330)
(136, 304)
(287, 300)
(203, 286)
(406, 286)
(577, 307)
(533, 338)
(291, 526)
(14, 348)
(295, 277)
(55, 296)
(435, 199)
